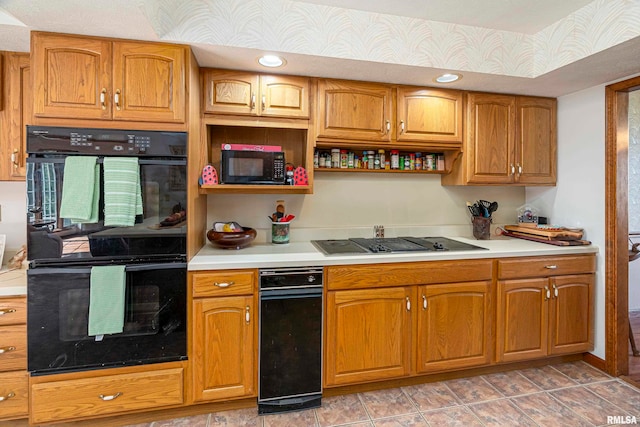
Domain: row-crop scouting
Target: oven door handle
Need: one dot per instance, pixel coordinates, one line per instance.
(128, 268)
(141, 161)
(272, 294)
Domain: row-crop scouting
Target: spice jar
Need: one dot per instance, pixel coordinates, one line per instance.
(343, 159)
(351, 160)
(418, 161)
(335, 157)
(395, 159)
(382, 158)
(371, 162)
(412, 161)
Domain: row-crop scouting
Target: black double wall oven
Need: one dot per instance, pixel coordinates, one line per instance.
(64, 254)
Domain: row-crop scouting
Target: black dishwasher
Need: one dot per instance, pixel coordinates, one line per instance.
(290, 352)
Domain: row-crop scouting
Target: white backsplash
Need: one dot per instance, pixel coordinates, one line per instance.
(350, 204)
(13, 220)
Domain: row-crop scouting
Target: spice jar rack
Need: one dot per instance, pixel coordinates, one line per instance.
(378, 160)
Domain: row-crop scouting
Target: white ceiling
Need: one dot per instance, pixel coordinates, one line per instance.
(190, 22)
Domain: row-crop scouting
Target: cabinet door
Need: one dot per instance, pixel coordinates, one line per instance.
(536, 140)
(18, 112)
(454, 326)
(71, 76)
(355, 111)
(284, 96)
(571, 314)
(223, 348)
(230, 92)
(368, 335)
(490, 138)
(429, 115)
(149, 82)
(522, 319)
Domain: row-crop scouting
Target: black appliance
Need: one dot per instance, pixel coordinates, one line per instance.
(290, 349)
(252, 167)
(382, 245)
(62, 253)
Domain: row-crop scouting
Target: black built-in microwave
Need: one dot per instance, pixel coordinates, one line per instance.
(252, 167)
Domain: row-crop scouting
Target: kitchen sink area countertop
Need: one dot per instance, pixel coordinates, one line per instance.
(298, 254)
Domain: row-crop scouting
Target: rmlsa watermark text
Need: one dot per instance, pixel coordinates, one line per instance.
(621, 419)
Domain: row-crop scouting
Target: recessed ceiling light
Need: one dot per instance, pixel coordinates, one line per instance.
(271, 61)
(447, 78)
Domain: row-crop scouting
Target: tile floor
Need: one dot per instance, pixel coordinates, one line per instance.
(569, 394)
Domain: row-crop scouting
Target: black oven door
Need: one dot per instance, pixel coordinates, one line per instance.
(53, 240)
(58, 307)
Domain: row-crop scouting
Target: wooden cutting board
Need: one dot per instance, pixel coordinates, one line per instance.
(547, 233)
(546, 240)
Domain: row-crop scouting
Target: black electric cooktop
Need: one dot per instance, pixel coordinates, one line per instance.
(391, 245)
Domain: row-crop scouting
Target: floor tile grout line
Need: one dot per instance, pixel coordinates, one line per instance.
(473, 414)
(561, 404)
(608, 401)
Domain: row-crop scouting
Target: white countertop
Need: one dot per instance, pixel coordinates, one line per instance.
(299, 254)
(13, 282)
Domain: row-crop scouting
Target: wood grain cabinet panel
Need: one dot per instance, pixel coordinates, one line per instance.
(13, 311)
(368, 335)
(79, 77)
(508, 140)
(547, 315)
(223, 361)
(14, 392)
(454, 326)
(18, 104)
(427, 115)
(355, 111)
(105, 395)
(13, 347)
(224, 283)
(250, 94)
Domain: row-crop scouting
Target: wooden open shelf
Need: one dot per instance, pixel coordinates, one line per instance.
(255, 189)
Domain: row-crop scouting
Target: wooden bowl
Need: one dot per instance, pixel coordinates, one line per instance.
(232, 239)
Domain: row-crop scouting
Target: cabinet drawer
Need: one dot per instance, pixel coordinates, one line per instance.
(13, 311)
(407, 273)
(220, 283)
(13, 347)
(545, 266)
(87, 397)
(14, 389)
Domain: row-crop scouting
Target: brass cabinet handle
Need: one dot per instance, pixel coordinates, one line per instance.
(109, 397)
(7, 349)
(264, 102)
(8, 396)
(253, 101)
(513, 169)
(424, 302)
(401, 126)
(116, 99)
(551, 267)
(388, 126)
(408, 304)
(247, 316)
(547, 294)
(4, 311)
(14, 158)
(555, 290)
(519, 168)
(224, 284)
(103, 98)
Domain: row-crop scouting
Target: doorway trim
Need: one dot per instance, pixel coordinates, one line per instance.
(617, 226)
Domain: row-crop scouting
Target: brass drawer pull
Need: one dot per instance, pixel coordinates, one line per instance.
(7, 349)
(7, 311)
(551, 267)
(111, 397)
(224, 284)
(8, 396)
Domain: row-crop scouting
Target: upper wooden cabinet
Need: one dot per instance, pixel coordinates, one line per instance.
(355, 111)
(509, 140)
(15, 115)
(243, 93)
(92, 78)
(429, 115)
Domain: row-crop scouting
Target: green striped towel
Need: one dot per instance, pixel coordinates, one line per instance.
(106, 300)
(122, 196)
(80, 189)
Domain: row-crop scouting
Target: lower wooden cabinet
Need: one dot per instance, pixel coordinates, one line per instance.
(454, 326)
(92, 394)
(223, 358)
(543, 316)
(368, 335)
(14, 395)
